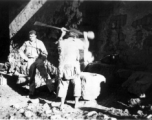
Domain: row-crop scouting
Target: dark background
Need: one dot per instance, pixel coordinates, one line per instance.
(123, 27)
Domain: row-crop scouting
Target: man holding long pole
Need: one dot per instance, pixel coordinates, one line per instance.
(69, 66)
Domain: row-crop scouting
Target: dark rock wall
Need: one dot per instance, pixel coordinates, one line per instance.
(120, 27)
(125, 28)
(4, 31)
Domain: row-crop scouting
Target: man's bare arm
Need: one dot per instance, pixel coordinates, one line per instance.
(23, 55)
(63, 30)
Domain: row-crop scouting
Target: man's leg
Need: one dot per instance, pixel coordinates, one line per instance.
(76, 102)
(32, 72)
(77, 90)
(62, 91)
(62, 103)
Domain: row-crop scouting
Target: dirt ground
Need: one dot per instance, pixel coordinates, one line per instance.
(15, 104)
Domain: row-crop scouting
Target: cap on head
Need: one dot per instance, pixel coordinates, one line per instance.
(72, 34)
(32, 32)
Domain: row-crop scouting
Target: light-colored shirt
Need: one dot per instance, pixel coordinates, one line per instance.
(33, 48)
(69, 50)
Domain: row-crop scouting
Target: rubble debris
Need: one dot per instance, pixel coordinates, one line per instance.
(149, 116)
(134, 101)
(21, 110)
(140, 113)
(28, 114)
(91, 113)
(17, 106)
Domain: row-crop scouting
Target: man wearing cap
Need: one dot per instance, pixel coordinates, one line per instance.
(69, 65)
(35, 54)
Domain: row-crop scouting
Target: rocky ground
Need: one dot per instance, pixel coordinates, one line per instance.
(112, 105)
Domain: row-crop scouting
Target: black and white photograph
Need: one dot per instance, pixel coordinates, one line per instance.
(75, 59)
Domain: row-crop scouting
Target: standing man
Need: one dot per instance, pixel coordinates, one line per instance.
(69, 65)
(35, 54)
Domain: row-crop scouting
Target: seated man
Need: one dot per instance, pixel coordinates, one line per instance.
(69, 66)
(35, 54)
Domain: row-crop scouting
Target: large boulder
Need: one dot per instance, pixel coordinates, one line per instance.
(91, 85)
(106, 70)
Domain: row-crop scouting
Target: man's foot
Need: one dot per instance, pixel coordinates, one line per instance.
(61, 107)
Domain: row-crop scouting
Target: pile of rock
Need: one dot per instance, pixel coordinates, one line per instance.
(36, 109)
